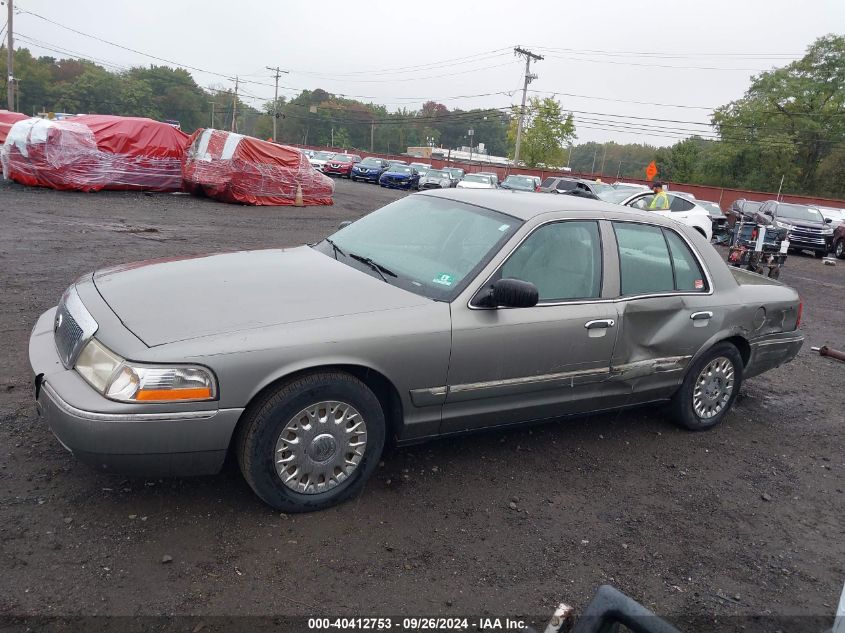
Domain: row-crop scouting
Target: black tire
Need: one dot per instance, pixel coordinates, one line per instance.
(774, 273)
(267, 417)
(839, 249)
(682, 409)
(353, 179)
(819, 254)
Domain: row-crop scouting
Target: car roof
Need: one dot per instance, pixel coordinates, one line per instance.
(527, 205)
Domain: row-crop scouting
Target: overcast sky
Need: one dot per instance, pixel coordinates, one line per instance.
(611, 53)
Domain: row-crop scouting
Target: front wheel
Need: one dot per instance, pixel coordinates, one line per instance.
(312, 442)
(819, 254)
(709, 388)
(839, 249)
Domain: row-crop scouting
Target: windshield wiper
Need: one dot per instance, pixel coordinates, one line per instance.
(381, 270)
(335, 247)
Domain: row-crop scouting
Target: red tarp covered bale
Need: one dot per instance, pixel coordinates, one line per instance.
(94, 152)
(7, 120)
(240, 169)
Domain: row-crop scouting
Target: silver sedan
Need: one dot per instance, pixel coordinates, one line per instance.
(444, 312)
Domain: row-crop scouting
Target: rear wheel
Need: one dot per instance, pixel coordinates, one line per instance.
(709, 388)
(839, 249)
(312, 442)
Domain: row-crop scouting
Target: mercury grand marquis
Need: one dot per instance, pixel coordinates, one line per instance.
(444, 312)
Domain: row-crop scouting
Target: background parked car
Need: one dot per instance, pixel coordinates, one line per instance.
(318, 160)
(742, 207)
(521, 183)
(494, 175)
(839, 241)
(436, 179)
(477, 181)
(400, 177)
(455, 174)
(832, 216)
(806, 226)
(422, 168)
(341, 164)
(370, 169)
(680, 209)
(718, 219)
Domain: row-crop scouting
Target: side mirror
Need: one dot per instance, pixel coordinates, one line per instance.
(511, 293)
(344, 224)
(828, 220)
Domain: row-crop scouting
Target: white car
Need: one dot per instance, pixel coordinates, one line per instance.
(834, 217)
(319, 160)
(477, 181)
(681, 208)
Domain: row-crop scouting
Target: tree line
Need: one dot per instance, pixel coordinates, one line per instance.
(789, 126)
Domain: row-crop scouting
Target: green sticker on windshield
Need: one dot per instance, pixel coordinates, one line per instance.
(444, 279)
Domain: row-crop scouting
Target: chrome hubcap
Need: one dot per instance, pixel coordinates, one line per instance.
(713, 388)
(840, 246)
(320, 447)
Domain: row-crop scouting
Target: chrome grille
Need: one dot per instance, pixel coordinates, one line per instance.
(67, 335)
(72, 328)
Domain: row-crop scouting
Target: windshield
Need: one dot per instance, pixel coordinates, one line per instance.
(342, 158)
(519, 181)
(401, 169)
(477, 178)
(433, 245)
(616, 196)
(371, 162)
(323, 155)
(436, 173)
(797, 212)
(457, 173)
(712, 208)
(600, 187)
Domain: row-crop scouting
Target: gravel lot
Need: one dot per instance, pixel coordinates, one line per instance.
(746, 519)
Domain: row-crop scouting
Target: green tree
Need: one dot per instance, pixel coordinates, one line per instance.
(788, 121)
(546, 130)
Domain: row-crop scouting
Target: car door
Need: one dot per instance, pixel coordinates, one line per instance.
(514, 364)
(666, 312)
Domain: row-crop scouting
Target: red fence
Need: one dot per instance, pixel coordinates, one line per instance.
(724, 196)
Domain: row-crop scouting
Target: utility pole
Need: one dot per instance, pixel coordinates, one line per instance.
(528, 79)
(603, 158)
(593, 168)
(372, 135)
(10, 59)
(235, 107)
(212, 113)
(276, 98)
(569, 160)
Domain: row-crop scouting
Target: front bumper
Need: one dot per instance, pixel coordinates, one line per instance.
(391, 184)
(773, 350)
(369, 177)
(131, 439)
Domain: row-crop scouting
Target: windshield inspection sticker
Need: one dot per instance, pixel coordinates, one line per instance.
(444, 279)
(504, 227)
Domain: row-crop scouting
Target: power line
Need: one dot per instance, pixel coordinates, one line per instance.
(663, 55)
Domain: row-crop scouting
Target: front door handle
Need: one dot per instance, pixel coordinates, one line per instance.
(599, 323)
(701, 316)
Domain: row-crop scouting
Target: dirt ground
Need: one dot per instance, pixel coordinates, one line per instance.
(748, 519)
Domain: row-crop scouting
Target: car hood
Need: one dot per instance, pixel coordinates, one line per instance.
(367, 167)
(474, 185)
(396, 174)
(434, 179)
(164, 301)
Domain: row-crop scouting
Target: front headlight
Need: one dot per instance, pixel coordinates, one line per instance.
(782, 225)
(119, 379)
(826, 230)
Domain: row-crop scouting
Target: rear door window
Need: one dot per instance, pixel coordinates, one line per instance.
(654, 260)
(680, 204)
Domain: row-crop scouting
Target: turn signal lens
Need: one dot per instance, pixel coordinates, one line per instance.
(800, 313)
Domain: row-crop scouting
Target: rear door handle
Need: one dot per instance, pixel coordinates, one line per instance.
(599, 323)
(700, 316)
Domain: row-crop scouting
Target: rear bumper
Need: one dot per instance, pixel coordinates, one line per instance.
(115, 437)
(773, 350)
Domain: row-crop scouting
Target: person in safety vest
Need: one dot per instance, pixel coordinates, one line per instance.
(660, 202)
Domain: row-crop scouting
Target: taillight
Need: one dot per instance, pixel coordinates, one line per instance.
(800, 312)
